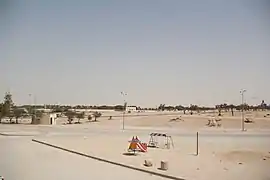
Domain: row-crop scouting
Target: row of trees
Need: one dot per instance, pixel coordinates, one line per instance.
(81, 115)
(67, 107)
(64, 108)
(163, 107)
(245, 107)
(10, 111)
(221, 107)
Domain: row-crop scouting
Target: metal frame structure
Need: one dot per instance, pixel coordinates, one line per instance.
(153, 142)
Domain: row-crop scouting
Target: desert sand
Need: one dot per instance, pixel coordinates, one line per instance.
(224, 152)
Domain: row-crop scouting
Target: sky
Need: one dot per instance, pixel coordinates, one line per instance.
(157, 51)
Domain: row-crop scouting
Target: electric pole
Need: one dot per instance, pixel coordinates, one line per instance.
(243, 118)
(124, 109)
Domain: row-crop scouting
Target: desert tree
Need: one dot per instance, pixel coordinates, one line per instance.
(219, 110)
(7, 107)
(119, 108)
(161, 107)
(231, 107)
(58, 110)
(96, 115)
(18, 113)
(219, 107)
(39, 114)
(80, 116)
(70, 115)
(89, 117)
(1, 111)
(10, 117)
(263, 105)
(224, 107)
(193, 108)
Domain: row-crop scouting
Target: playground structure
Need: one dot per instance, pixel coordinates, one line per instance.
(154, 140)
(137, 146)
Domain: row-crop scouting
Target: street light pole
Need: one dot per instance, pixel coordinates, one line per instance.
(30, 103)
(243, 118)
(35, 101)
(124, 109)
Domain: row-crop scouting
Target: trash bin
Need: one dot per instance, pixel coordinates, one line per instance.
(164, 165)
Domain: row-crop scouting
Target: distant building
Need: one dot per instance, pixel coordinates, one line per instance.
(131, 108)
(46, 119)
(44, 110)
(24, 110)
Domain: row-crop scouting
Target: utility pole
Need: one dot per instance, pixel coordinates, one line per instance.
(35, 101)
(32, 103)
(243, 118)
(124, 109)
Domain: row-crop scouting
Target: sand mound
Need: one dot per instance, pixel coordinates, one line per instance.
(242, 156)
(178, 119)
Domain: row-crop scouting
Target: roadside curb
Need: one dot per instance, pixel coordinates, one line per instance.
(8, 134)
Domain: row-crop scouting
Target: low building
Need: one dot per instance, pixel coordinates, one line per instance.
(131, 108)
(46, 119)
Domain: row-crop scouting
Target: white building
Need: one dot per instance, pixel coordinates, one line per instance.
(131, 108)
(46, 119)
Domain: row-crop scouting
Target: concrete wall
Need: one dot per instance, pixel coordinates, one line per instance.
(47, 119)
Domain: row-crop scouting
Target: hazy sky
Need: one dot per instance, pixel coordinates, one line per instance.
(158, 51)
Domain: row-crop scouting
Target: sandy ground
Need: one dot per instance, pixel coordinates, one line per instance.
(261, 120)
(22, 159)
(224, 153)
(226, 157)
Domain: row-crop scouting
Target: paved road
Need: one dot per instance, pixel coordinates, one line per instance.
(21, 159)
